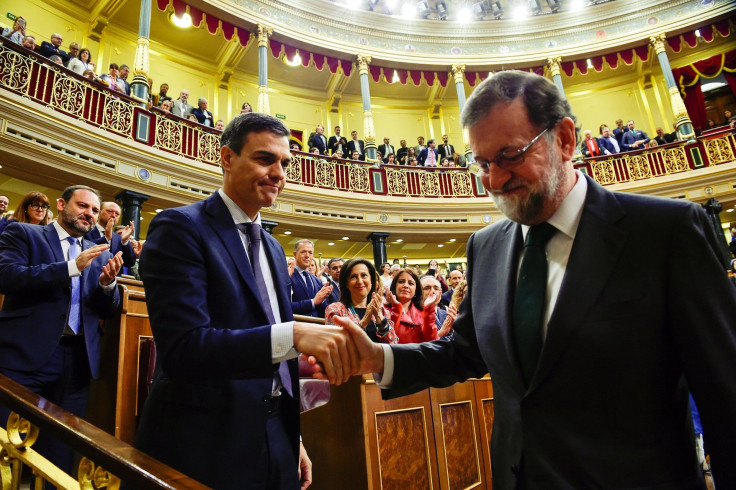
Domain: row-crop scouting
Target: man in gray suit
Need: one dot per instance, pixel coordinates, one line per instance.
(181, 108)
(594, 312)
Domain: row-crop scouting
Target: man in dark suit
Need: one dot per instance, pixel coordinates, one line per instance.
(429, 156)
(57, 286)
(607, 143)
(592, 345)
(356, 145)
(453, 279)
(401, 152)
(386, 149)
(102, 233)
(319, 140)
(334, 140)
(308, 294)
(446, 149)
(333, 279)
(217, 290)
(619, 131)
(634, 139)
(203, 116)
(49, 49)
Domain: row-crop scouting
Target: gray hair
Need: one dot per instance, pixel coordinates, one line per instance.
(201, 99)
(299, 243)
(544, 103)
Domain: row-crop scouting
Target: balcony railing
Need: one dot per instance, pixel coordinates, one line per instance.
(711, 149)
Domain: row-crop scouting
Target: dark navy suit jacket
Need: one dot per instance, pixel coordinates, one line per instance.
(352, 147)
(631, 332)
(605, 144)
(213, 339)
(422, 157)
(116, 245)
(301, 299)
(34, 278)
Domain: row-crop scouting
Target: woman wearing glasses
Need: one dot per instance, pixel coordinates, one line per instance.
(32, 209)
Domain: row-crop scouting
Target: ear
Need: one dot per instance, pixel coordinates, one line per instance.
(60, 203)
(225, 153)
(566, 137)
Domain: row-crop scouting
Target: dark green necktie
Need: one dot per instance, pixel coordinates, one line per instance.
(529, 300)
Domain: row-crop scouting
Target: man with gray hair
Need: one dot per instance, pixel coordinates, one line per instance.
(181, 107)
(308, 295)
(29, 42)
(202, 114)
(592, 344)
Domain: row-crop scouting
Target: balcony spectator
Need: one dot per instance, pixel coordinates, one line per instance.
(401, 152)
(711, 124)
(166, 106)
(203, 116)
(56, 59)
(81, 63)
(112, 79)
(607, 143)
(123, 79)
(90, 75)
(355, 156)
(314, 150)
(181, 107)
(589, 146)
(412, 161)
(446, 149)
(159, 99)
(220, 124)
(410, 153)
(48, 49)
(337, 154)
(727, 117)
(29, 42)
(447, 162)
(420, 145)
(319, 140)
(192, 117)
(246, 108)
(356, 145)
(295, 146)
(73, 53)
(429, 156)
(391, 159)
(619, 131)
(18, 32)
(634, 139)
(663, 138)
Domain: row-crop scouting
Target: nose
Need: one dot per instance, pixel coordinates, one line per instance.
(276, 172)
(495, 178)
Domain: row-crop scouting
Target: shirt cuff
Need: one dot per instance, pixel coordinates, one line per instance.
(108, 290)
(386, 379)
(72, 268)
(282, 342)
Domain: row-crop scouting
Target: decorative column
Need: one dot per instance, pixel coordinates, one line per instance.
(713, 209)
(457, 75)
(378, 239)
(139, 85)
(269, 225)
(131, 204)
(368, 130)
(554, 68)
(263, 34)
(682, 120)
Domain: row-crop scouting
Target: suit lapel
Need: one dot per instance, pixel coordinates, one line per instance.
(54, 242)
(594, 255)
(274, 253)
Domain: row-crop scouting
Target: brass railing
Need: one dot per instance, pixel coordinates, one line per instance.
(715, 148)
(106, 461)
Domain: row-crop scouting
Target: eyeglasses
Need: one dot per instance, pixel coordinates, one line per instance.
(505, 160)
(35, 205)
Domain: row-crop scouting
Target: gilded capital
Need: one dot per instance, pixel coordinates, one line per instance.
(263, 34)
(363, 62)
(657, 42)
(554, 65)
(457, 73)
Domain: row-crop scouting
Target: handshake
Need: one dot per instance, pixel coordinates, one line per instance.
(336, 353)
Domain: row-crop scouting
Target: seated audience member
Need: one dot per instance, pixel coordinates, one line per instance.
(458, 160)
(112, 79)
(314, 150)
(652, 144)
(662, 138)
(4, 203)
(246, 108)
(18, 32)
(56, 59)
(412, 162)
(361, 302)
(386, 275)
(355, 156)
(308, 295)
(589, 145)
(634, 139)
(181, 107)
(607, 143)
(337, 154)
(48, 49)
(32, 209)
(413, 320)
(711, 124)
(29, 42)
(192, 117)
(81, 63)
(90, 75)
(431, 286)
(161, 97)
(166, 106)
(391, 159)
(202, 114)
(447, 162)
(295, 146)
(220, 124)
(727, 116)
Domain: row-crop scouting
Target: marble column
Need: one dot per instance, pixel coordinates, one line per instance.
(263, 34)
(139, 86)
(378, 239)
(458, 77)
(554, 68)
(131, 202)
(369, 132)
(682, 120)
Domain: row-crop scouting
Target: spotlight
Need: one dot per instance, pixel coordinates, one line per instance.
(442, 10)
(496, 10)
(423, 9)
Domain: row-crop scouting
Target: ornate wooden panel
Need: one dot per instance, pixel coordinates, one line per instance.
(403, 451)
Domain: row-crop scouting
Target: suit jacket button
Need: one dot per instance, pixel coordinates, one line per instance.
(266, 399)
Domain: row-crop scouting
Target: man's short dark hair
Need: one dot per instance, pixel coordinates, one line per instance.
(69, 191)
(236, 132)
(124, 66)
(336, 259)
(430, 142)
(114, 65)
(544, 103)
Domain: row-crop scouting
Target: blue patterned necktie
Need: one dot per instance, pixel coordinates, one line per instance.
(529, 300)
(73, 320)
